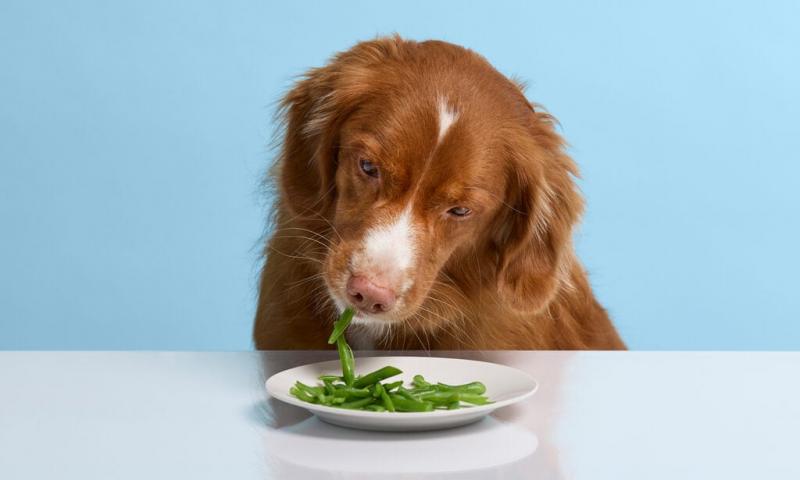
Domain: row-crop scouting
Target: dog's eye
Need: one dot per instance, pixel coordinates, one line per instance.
(368, 167)
(459, 211)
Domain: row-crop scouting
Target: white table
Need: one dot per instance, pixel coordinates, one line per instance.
(148, 415)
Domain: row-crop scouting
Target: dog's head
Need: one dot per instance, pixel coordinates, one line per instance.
(425, 160)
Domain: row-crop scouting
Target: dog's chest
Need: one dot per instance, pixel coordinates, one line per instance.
(361, 339)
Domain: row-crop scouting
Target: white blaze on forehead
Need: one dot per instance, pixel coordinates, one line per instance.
(447, 117)
(388, 251)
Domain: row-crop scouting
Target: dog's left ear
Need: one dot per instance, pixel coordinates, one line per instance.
(533, 236)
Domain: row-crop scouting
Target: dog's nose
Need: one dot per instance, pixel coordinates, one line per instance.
(367, 296)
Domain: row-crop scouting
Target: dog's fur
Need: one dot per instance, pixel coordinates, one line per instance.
(445, 130)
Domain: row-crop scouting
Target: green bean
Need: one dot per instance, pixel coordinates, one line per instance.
(387, 402)
(350, 392)
(357, 404)
(402, 404)
(302, 395)
(473, 398)
(419, 381)
(346, 358)
(316, 392)
(442, 398)
(391, 386)
(329, 388)
(377, 376)
(422, 391)
(403, 392)
(473, 387)
(341, 325)
(367, 392)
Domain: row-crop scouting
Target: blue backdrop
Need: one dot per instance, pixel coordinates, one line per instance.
(133, 137)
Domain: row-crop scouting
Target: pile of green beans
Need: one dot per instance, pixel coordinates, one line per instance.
(368, 392)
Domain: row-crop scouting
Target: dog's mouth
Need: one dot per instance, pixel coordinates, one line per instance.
(381, 297)
(368, 319)
(363, 317)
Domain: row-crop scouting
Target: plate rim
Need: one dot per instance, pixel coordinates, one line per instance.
(396, 416)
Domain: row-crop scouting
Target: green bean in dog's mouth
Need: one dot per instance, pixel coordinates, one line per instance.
(368, 392)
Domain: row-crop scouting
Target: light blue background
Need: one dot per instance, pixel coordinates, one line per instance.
(133, 137)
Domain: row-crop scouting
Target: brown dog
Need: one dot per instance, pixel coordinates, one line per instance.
(418, 184)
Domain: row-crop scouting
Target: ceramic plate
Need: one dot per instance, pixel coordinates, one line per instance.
(504, 386)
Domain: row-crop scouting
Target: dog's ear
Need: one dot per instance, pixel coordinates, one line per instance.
(533, 237)
(313, 112)
(307, 163)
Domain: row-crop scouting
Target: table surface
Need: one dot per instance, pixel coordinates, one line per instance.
(610, 415)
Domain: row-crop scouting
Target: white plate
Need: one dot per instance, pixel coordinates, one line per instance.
(504, 386)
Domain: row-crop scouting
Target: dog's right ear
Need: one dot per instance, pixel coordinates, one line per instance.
(313, 113)
(307, 162)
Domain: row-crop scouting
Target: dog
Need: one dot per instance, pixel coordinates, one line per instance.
(418, 185)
